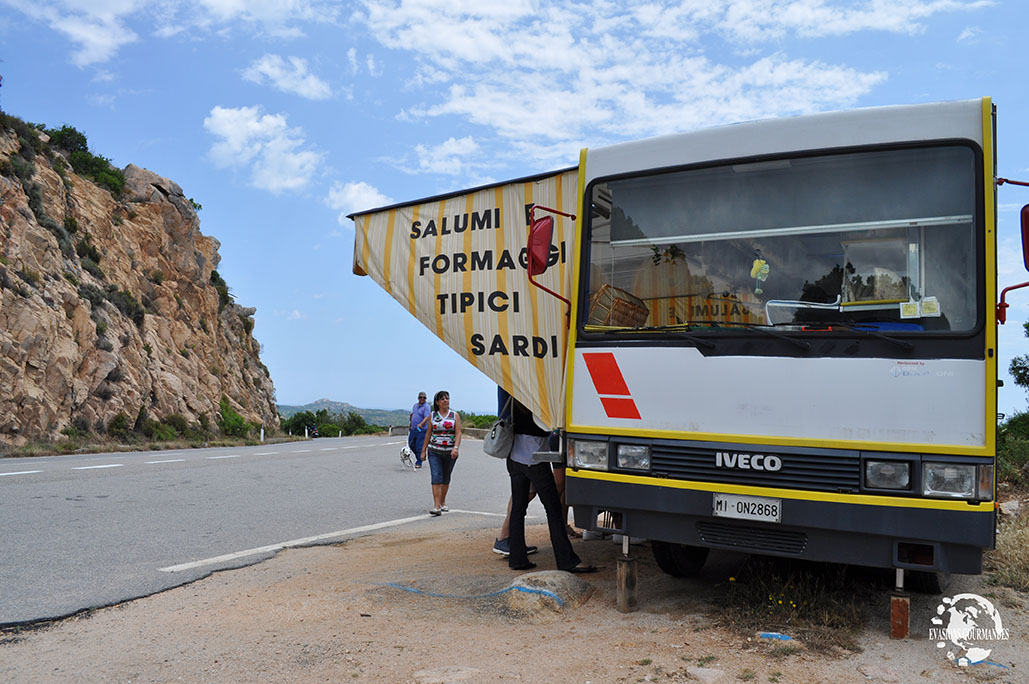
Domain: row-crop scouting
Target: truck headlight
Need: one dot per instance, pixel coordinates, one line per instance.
(949, 480)
(887, 474)
(635, 456)
(588, 454)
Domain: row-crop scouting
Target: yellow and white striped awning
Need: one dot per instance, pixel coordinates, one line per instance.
(457, 263)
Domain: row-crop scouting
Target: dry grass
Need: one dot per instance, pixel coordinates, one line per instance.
(70, 446)
(1008, 564)
(816, 603)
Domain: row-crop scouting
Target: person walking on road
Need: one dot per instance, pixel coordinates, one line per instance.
(419, 422)
(441, 447)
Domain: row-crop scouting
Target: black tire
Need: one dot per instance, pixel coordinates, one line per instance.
(679, 560)
(926, 582)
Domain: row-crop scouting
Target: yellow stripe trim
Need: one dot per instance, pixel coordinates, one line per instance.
(990, 204)
(412, 249)
(854, 499)
(580, 238)
(466, 282)
(502, 285)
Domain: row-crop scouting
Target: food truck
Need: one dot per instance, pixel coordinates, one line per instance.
(776, 337)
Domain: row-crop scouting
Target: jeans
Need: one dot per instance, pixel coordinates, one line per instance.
(415, 440)
(440, 466)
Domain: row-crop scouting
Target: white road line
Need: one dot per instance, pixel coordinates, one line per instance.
(213, 458)
(21, 472)
(267, 453)
(108, 465)
(170, 460)
(495, 515)
(330, 448)
(306, 541)
(300, 451)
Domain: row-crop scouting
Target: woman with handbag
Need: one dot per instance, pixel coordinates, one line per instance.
(525, 475)
(441, 445)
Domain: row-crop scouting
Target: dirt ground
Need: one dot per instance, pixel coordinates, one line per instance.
(421, 605)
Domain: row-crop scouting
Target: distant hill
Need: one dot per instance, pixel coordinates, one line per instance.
(373, 416)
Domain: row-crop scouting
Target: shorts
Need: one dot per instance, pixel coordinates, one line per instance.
(440, 466)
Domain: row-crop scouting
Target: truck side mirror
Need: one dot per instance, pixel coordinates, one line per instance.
(542, 232)
(1025, 236)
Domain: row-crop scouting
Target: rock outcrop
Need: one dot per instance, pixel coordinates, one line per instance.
(112, 304)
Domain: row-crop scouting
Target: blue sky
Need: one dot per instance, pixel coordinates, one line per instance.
(280, 117)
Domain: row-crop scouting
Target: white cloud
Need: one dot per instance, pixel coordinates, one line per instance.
(618, 72)
(354, 196)
(352, 58)
(970, 35)
(295, 315)
(264, 143)
(449, 157)
(289, 75)
(99, 28)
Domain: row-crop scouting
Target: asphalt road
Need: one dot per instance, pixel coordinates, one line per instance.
(85, 531)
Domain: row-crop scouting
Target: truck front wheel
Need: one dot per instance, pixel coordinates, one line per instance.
(679, 560)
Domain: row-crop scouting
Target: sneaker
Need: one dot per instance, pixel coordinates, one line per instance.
(502, 547)
(435, 511)
(444, 509)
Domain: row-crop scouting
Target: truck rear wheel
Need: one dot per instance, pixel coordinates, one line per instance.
(679, 560)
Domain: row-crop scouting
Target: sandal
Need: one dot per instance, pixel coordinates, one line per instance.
(572, 532)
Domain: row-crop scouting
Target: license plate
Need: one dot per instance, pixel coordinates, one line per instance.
(747, 507)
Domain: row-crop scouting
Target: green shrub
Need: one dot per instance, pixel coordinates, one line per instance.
(232, 424)
(118, 427)
(177, 422)
(86, 250)
(71, 225)
(159, 432)
(68, 139)
(29, 276)
(223, 289)
(1013, 449)
(128, 305)
(99, 169)
(81, 424)
(328, 430)
(93, 268)
(354, 423)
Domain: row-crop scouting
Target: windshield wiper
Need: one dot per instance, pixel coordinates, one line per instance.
(764, 329)
(906, 346)
(677, 331)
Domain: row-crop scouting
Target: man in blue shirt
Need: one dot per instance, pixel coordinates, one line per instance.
(419, 419)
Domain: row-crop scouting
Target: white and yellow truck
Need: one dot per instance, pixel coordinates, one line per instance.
(779, 336)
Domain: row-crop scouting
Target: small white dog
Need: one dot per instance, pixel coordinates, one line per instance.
(405, 458)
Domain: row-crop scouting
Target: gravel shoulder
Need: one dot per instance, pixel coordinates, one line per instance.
(421, 605)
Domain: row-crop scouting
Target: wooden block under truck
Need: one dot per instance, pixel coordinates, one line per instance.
(777, 337)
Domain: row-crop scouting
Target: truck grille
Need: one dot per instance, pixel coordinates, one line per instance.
(752, 538)
(818, 472)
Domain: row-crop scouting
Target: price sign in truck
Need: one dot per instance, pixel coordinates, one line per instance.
(776, 337)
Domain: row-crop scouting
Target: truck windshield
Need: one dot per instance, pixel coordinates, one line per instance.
(880, 241)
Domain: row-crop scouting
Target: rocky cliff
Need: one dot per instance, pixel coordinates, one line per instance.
(110, 303)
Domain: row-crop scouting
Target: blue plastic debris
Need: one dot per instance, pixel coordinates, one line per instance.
(775, 635)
